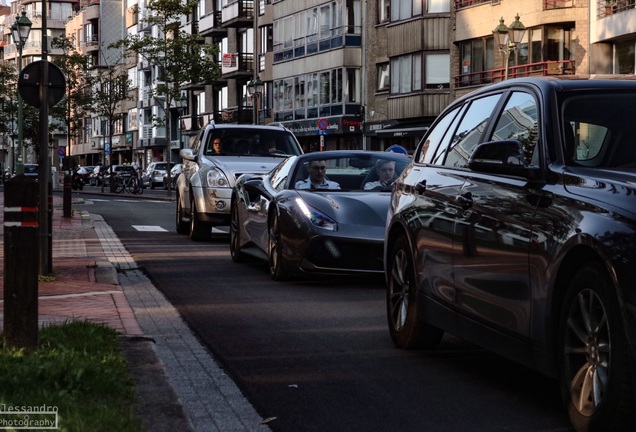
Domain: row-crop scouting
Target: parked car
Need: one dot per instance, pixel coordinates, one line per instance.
(514, 227)
(174, 173)
(204, 188)
(123, 171)
(84, 172)
(154, 174)
(299, 229)
(97, 175)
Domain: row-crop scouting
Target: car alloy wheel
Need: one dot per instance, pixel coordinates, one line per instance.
(592, 355)
(235, 235)
(407, 331)
(275, 255)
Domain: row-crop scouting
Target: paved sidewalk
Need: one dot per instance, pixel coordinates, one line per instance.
(180, 386)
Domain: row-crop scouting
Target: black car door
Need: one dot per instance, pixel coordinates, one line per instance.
(493, 232)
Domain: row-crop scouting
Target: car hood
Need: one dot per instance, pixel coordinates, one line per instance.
(244, 164)
(361, 208)
(608, 186)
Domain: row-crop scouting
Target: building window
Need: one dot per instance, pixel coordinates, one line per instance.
(624, 57)
(406, 73)
(384, 10)
(438, 6)
(437, 71)
(405, 9)
(383, 77)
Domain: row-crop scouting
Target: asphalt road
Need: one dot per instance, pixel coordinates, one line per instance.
(316, 354)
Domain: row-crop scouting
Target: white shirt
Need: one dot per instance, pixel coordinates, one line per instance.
(326, 184)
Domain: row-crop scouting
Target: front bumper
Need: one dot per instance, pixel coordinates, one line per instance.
(213, 204)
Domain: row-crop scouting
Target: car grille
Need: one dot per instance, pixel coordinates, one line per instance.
(339, 254)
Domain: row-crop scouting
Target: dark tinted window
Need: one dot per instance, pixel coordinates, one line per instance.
(519, 121)
(470, 130)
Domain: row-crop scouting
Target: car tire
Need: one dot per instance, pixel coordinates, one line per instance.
(235, 235)
(277, 268)
(199, 231)
(405, 326)
(152, 185)
(592, 355)
(183, 227)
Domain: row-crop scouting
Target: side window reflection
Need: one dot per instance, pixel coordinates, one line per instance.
(469, 132)
(519, 122)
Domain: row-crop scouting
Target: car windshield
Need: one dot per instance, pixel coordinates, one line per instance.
(30, 169)
(251, 142)
(362, 172)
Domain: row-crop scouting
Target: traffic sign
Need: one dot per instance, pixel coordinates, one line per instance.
(29, 83)
(61, 151)
(323, 123)
(396, 148)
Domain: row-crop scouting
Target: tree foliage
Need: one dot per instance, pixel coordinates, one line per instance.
(180, 57)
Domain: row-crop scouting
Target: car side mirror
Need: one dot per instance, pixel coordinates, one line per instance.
(500, 157)
(188, 154)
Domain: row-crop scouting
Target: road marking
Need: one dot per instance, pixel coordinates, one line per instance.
(149, 228)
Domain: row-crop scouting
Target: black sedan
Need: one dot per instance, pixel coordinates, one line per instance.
(515, 228)
(321, 213)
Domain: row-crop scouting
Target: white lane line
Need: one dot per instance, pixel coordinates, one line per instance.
(149, 228)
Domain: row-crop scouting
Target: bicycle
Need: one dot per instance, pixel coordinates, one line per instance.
(131, 183)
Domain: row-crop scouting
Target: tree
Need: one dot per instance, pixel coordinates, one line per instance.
(110, 87)
(179, 57)
(78, 99)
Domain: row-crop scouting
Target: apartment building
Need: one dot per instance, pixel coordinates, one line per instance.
(406, 69)
(230, 26)
(562, 38)
(92, 27)
(58, 13)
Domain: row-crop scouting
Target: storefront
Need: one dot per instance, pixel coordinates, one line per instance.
(328, 133)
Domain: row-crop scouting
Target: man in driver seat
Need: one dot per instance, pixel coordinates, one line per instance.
(386, 175)
(317, 177)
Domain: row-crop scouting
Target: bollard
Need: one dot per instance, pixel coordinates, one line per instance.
(66, 205)
(21, 252)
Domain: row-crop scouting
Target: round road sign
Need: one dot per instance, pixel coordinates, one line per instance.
(29, 83)
(323, 123)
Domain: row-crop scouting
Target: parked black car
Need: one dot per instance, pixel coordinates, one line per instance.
(514, 227)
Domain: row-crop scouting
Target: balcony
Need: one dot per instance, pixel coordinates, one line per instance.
(237, 65)
(238, 14)
(547, 68)
(210, 25)
(606, 8)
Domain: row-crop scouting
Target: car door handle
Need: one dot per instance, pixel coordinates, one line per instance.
(465, 200)
(420, 187)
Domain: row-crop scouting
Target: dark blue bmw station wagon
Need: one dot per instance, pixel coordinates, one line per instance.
(514, 227)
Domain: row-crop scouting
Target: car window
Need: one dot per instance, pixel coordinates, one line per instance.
(518, 121)
(595, 133)
(434, 144)
(252, 142)
(278, 176)
(470, 130)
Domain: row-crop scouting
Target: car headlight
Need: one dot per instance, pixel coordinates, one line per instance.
(316, 218)
(216, 179)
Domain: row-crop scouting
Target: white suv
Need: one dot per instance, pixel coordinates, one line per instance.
(217, 157)
(154, 174)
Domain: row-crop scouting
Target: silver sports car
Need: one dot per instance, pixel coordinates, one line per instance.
(321, 212)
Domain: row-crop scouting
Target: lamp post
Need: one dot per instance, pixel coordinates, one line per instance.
(508, 39)
(255, 89)
(20, 32)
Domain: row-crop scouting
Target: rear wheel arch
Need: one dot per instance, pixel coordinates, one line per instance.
(575, 259)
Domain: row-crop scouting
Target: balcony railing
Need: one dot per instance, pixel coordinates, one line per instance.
(547, 68)
(461, 4)
(606, 8)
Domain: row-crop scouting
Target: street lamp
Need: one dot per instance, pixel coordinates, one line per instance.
(255, 89)
(20, 32)
(508, 39)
